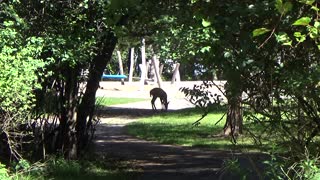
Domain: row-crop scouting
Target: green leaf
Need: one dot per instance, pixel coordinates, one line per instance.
(279, 5)
(283, 38)
(289, 43)
(283, 8)
(299, 37)
(205, 23)
(302, 21)
(317, 24)
(313, 32)
(287, 7)
(259, 31)
(205, 49)
(297, 34)
(308, 2)
(315, 8)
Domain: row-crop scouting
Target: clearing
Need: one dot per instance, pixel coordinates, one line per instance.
(151, 160)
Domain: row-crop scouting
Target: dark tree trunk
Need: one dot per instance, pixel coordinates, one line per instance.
(87, 105)
(66, 141)
(234, 121)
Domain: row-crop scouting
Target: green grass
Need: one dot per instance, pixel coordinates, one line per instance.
(102, 168)
(96, 167)
(176, 128)
(108, 101)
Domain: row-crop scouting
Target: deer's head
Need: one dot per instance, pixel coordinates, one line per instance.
(165, 105)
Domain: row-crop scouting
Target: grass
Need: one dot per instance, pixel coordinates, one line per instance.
(99, 168)
(94, 167)
(108, 101)
(176, 128)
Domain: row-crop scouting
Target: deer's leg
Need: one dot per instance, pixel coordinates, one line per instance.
(152, 103)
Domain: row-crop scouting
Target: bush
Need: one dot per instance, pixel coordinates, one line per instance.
(3, 172)
(20, 69)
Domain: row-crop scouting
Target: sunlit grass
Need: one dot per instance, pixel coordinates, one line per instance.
(96, 167)
(85, 170)
(176, 128)
(108, 101)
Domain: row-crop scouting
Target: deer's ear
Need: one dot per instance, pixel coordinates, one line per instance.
(168, 102)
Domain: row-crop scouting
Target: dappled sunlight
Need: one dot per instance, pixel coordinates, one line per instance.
(178, 150)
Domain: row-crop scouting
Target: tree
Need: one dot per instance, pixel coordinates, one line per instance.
(219, 35)
(72, 42)
(76, 36)
(296, 72)
(20, 66)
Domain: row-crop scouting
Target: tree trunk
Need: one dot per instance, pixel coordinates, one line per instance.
(66, 141)
(87, 106)
(234, 122)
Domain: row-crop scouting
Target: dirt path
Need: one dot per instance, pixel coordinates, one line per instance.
(156, 161)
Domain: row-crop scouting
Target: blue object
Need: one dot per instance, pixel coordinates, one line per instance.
(112, 76)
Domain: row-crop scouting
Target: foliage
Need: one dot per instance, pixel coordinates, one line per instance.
(72, 35)
(3, 172)
(232, 166)
(303, 26)
(306, 168)
(99, 167)
(21, 68)
(293, 110)
(279, 84)
(50, 43)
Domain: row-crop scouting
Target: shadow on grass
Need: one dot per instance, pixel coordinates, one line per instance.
(141, 112)
(187, 135)
(110, 112)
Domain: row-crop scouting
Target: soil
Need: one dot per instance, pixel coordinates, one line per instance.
(153, 161)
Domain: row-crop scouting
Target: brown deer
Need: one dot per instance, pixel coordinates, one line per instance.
(159, 93)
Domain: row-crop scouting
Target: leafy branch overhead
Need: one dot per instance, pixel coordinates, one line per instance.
(285, 35)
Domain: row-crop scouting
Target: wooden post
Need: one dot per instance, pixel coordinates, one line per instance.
(143, 64)
(156, 67)
(148, 65)
(131, 64)
(160, 68)
(120, 66)
(176, 73)
(153, 71)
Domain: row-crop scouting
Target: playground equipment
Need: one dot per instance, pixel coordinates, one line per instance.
(150, 71)
(120, 76)
(114, 76)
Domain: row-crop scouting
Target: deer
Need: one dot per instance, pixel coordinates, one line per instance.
(159, 93)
